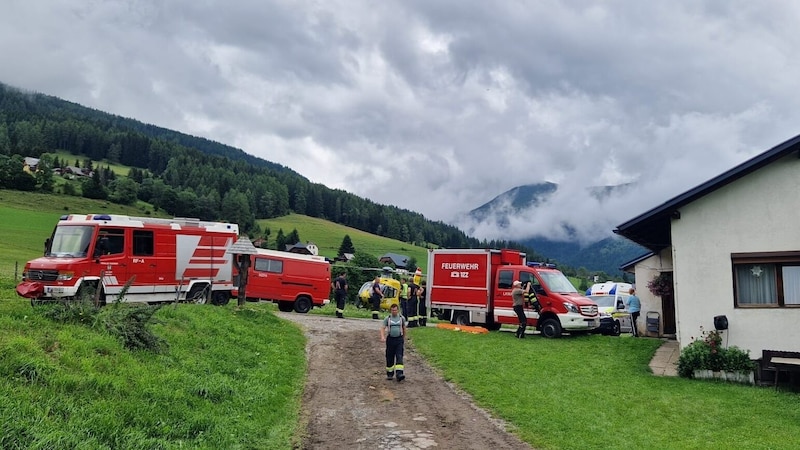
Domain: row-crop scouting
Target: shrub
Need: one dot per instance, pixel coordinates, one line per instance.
(708, 354)
(738, 360)
(693, 357)
(129, 324)
(81, 310)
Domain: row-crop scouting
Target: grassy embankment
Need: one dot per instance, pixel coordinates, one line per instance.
(227, 378)
(232, 379)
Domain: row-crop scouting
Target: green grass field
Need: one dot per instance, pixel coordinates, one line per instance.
(69, 159)
(597, 392)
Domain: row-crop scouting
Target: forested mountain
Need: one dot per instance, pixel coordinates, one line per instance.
(186, 175)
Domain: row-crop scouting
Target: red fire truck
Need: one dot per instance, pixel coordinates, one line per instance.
(295, 281)
(164, 260)
(469, 286)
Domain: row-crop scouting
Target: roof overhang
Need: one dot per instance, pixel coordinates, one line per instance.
(652, 229)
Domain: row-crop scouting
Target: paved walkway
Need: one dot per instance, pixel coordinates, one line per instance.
(665, 361)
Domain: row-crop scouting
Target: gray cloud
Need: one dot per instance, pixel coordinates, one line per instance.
(438, 106)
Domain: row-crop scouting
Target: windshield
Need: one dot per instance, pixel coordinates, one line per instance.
(603, 301)
(557, 282)
(71, 241)
(365, 288)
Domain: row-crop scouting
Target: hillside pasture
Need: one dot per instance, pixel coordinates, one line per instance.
(328, 237)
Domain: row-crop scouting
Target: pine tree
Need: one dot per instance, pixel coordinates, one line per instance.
(293, 237)
(347, 246)
(280, 240)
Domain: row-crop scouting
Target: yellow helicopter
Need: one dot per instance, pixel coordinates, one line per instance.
(390, 287)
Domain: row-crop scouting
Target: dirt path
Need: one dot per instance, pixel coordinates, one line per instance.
(349, 404)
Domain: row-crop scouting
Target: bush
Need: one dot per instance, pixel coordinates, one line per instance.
(693, 357)
(708, 354)
(80, 310)
(130, 324)
(738, 360)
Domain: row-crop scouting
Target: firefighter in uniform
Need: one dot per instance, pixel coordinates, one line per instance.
(423, 307)
(393, 332)
(518, 298)
(530, 297)
(340, 293)
(404, 298)
(413, 305)
(375, 296)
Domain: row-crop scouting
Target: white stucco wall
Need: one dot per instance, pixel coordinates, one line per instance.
(757, 213)
(645, 271)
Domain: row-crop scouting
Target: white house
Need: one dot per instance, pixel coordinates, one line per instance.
(732, 245)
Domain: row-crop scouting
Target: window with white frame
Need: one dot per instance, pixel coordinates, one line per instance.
(766, 279)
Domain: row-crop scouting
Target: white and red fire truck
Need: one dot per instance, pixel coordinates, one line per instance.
(469, 286)
(164, 260)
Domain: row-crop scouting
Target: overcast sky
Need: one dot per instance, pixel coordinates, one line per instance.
(438, 106)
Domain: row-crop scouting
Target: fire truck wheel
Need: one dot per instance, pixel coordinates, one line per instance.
(302, 305)
(285, 306)
(461, 318)
(494, 326)
(220, 298)
(551, 328)
(87, 292)
(197, 294)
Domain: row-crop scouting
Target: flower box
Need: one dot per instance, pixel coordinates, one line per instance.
(735, 377)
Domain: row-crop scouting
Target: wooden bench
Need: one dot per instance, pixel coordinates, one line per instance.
(780, 361)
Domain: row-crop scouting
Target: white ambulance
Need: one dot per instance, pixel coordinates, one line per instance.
(611, 298)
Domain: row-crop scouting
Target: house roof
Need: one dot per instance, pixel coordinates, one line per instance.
(652, 229)
(397, 260)
(298, 248)
(631, 265)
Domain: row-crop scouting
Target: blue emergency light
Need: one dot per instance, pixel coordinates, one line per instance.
(541, 264)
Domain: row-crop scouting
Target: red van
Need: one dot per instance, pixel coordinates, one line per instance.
(296, 282)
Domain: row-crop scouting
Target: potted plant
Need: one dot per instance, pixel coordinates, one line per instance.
(661, 284)
(706, 358)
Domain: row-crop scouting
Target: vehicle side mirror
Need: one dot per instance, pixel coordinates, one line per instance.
(101, 248)
(538, 289)
(47, 243)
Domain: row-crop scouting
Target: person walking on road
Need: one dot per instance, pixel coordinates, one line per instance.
(634, 308)
(393, 332)
(340, 293)
(518, 298)
(375, 296)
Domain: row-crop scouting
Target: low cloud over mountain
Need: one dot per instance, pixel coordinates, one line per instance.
(572, 226)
